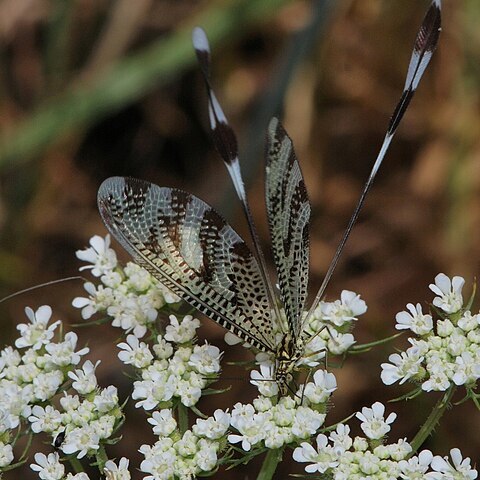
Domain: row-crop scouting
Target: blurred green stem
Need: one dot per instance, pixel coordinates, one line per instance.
(272, 459)
(93, 98)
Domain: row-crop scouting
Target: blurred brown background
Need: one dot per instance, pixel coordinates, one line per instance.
(91, 89)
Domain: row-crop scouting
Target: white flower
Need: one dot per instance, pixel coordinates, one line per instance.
(444, 470)
(206, 456)
(77, 476)
(99, 298)
(322, 459)
(404, 366)
(416, 467)
(315, 351)
(132, 315)
(205, 359)
(181, 332)
(306, 422)
(467, 369)
(438, 380)
(415, 321)
(82, 440)
(45, 419)
(36, 333)
(120, 472)
(135, 353)
(106, 400)
(338, 343)
(449, 293)
(99, 254)
(319, 391)
(48, 467)
(344, 310)
(162, 348)
(212, 427)
(163, 423)
(341, 438)
(374, 425)
(138, 278)
(63, 354)
(46, 384)
(267, 386)
(84, 380)
(6, 454)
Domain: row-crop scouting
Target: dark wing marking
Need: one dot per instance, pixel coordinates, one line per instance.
(288, 211)
(189, 247)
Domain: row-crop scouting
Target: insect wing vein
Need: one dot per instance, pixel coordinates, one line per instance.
(288, 211)
(189, 247)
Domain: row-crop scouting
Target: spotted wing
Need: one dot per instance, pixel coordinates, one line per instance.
(189, 247)
(288, 211)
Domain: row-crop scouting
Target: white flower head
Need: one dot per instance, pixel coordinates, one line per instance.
(82, 440)
(183, 331)
(374, 425)
(36, 333)
(84, 379)
(343, 311)
(416, 467)
(321, 459)
(135, 353)
(414, 320)
(404, 365)
(214, 427)
(163, 422)
(99, 254)
(319, 391)
(6, 454)
(64, 354)
(48, 467)
(449, 292)
(99, 299)
(45, 419)
(205, 359)
(459, 468)
(117, 472)
(264, 381)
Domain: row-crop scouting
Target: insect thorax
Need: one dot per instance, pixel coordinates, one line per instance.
(289, 352)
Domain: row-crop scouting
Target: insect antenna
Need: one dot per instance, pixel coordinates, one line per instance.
(424, 46)
(225, 142)
(42, 285)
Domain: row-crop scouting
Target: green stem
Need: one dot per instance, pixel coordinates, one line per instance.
(432, 420)
(270, 463)
(101, 457)
(182, 418)
(76, 464)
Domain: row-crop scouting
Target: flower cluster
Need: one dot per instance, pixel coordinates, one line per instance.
(443, 352)
(328, 329)
(270, 422)
(49, 467)
(85, 419)
(177, 369)
(331, 324)
(33, 373)
(177, 455)
(341, 457)
(130, 295)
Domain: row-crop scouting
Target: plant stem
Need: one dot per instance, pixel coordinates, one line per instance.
(432, 420)
(270, 463)
(182, 418)
(101, 457)
(76, 464)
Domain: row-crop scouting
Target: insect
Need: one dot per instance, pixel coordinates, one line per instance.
(184, 243)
